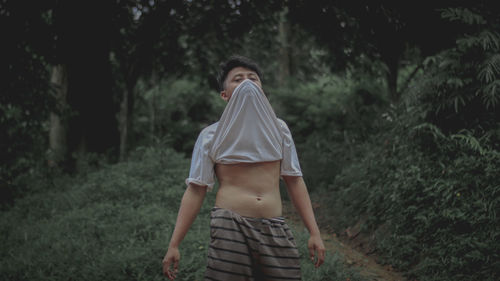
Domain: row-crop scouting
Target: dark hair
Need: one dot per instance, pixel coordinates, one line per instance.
(233, 62)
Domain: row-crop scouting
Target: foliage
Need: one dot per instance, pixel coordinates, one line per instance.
(334, 267)
(336, 113)
(461, 90)
(114, 224)
(175, 111)
(426, 182)
(385, 32)
(441, 217)
(104, 57)
(26, 96)
(422, 174)
(214, 30)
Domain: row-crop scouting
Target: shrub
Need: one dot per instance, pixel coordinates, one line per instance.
(430, 176)
(114, 223)
(175, 111)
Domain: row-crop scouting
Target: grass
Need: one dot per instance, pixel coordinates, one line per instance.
(114, 223)
(334, 267)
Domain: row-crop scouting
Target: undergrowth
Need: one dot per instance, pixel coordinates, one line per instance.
(433, 216)
(425, 184)
(114, 223)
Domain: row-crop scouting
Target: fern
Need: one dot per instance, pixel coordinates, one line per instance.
(466, 138)
(463, 15)
(449, 63)
(475, 55)
(490, 69)
(491, 94)
(455, 82)
(431, 60)
(433, 129)
(489, 41)
(486, 40)
(489, 74)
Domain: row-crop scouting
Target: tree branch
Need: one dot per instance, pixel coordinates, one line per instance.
(407, 82)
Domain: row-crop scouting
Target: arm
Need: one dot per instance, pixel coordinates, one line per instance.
(297, 190)
(189, 209)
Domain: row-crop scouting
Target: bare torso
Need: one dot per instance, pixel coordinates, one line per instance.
(250, 189)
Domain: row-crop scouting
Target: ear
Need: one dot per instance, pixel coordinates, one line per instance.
(224, 95)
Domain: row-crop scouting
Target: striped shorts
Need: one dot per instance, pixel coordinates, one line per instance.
(245, 248)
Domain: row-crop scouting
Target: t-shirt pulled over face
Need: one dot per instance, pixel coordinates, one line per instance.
(247, 132)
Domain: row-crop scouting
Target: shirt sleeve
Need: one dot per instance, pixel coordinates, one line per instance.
(290, 163)
(202, 167)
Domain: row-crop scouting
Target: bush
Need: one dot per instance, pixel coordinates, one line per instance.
(336, 113)
(110, 224)
(114, 223)
(427, 183)
(175, 111)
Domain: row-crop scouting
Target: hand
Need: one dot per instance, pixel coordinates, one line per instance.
(315, 245)
(172, 257)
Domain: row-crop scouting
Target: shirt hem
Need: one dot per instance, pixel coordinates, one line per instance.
(200, 183)
(294, 174)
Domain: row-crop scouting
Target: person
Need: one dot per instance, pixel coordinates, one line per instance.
(248, 150)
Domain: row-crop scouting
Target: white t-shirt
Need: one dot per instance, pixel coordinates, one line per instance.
(247, 132)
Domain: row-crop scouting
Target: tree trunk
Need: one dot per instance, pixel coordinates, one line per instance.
(58, 124)
(155, 91)
(392, 79)
(84, 47)
(125, 119)
(123, 124)
(390, 54)
(284, 51)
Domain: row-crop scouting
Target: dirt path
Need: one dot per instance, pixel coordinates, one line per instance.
(366, 264)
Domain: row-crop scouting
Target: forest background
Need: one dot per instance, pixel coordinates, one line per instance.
(393, 108)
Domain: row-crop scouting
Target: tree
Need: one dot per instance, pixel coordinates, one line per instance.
(25, 99)
(82, 46)
(165, 39)
(145, 43)
(381, 31)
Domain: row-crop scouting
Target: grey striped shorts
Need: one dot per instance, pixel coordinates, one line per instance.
(245, 248)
